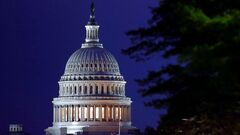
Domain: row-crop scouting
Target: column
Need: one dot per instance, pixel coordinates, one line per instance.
(63, 113)
(76, 113)
(82, 113)
(127, 113)
(54, 112)
(88, 113)
(110, 113)
(100, 113)
(106, 112)
(69, 113)
(79, 112)
(88, 89)
(60, 114)
(130, 118)
(77, 89)
(124, 113)
(114, 113)
(66, 113)
(93, 88)
(71, 110)
(94, 113)
(119, 113)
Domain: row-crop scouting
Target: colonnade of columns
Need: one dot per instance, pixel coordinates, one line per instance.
(78, 113)
(92, 33)
(91, 89)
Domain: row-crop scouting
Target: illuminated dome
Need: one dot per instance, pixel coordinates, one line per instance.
(92, 61)
(92, 98)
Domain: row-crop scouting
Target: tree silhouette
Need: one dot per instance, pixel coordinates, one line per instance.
(203, 87)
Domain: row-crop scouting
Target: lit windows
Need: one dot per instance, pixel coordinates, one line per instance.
(108, 112)
(91, 112)
(103, 114)
(97, 113)
(116, 113)
(85, 113)
(79, 113)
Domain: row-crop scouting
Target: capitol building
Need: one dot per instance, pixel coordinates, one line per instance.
(92, 98)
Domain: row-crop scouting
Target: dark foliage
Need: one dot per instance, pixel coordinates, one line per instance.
(205, 82)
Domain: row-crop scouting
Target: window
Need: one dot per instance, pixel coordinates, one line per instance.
(85, 89)
(107, 89)
(102, 90)
(96, 90)
(120, 113)
(75, 90)
(85, 113)
(97, 113)
(91, 112)
(103, 114)
(108, 112)
(80, 90)
(91, 89)
(112, 109)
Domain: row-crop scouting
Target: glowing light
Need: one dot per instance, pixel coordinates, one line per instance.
(120, 111)
(85, 112)
(91, 112)
(103, 114)
(108, 112)
(79, 113)
(97, 113)
(116, 112)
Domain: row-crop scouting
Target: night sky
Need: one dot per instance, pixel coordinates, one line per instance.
(38, 36)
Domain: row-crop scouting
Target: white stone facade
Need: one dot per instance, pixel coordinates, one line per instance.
(91, 92)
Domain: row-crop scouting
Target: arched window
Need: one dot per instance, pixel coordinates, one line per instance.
(75, 89)
(80, 90)
(70, 89)
(91, 90)
(96, 90)
(107, 89)
(85, 89)
(102, 90)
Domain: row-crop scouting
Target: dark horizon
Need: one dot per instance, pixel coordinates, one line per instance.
(38, 37)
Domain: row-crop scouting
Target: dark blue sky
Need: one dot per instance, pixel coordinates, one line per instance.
(38, 36)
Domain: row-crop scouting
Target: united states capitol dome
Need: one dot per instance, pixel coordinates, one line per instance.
(92, 99)
(92, 61)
